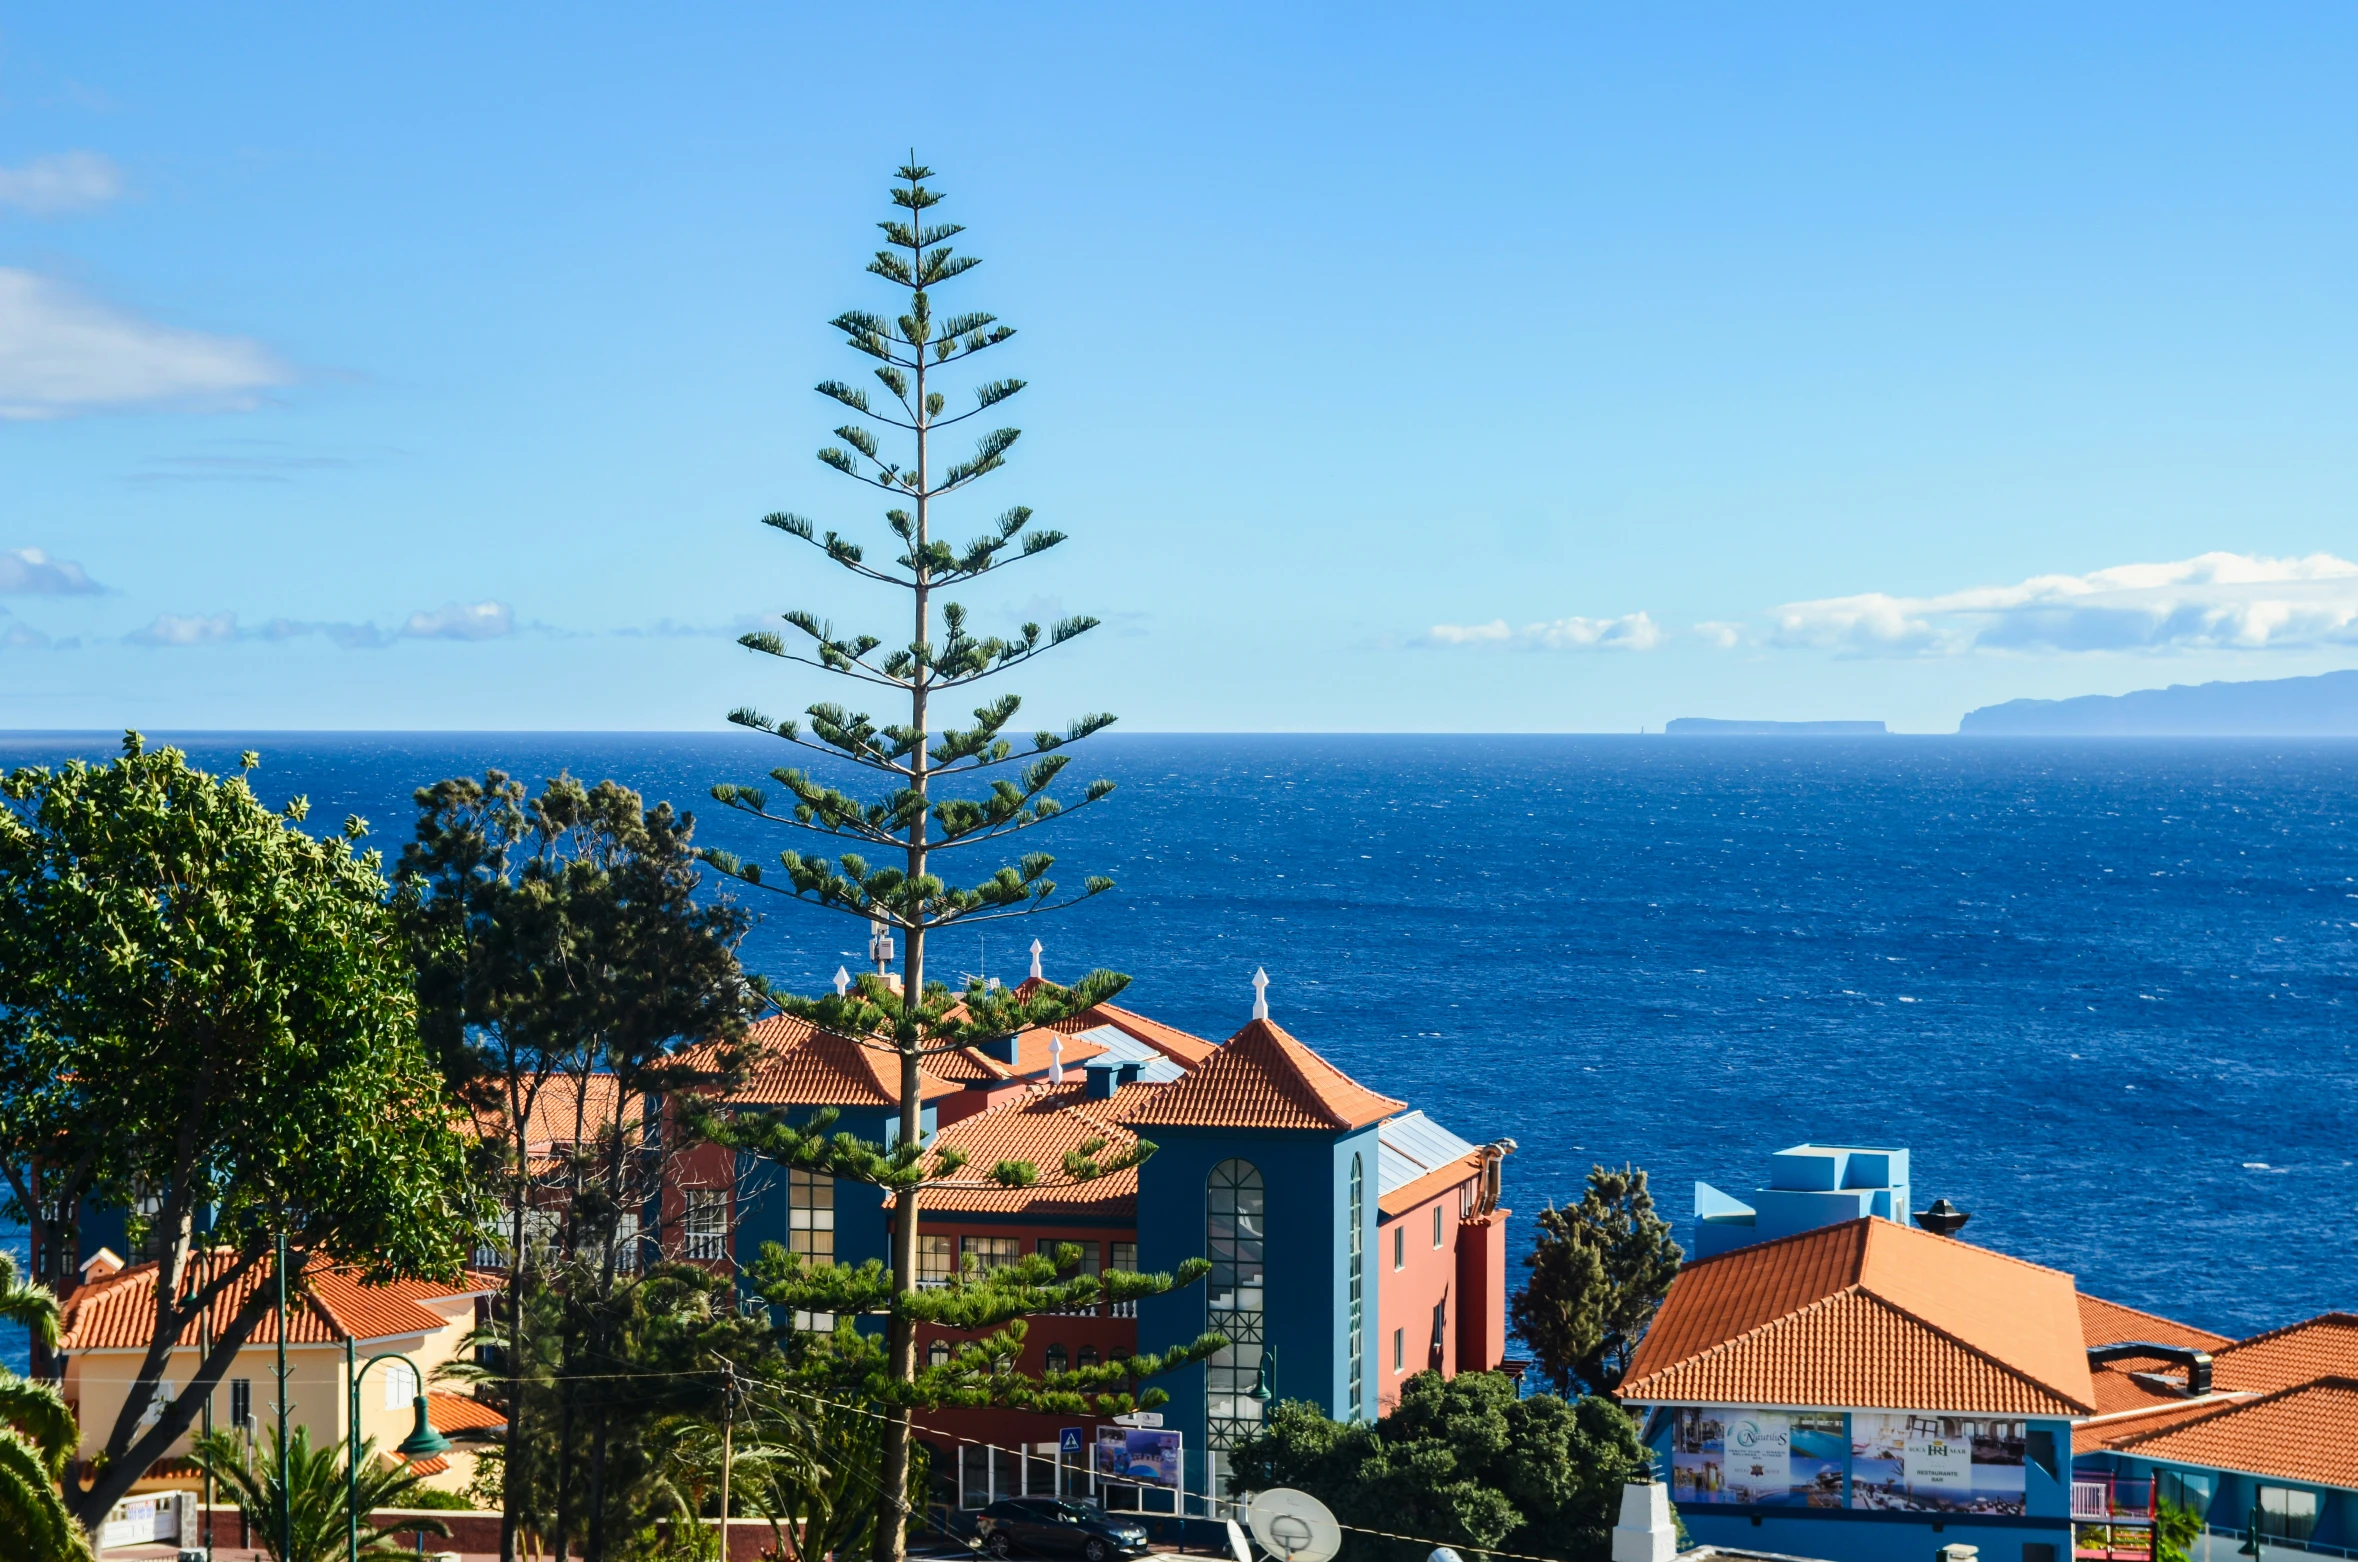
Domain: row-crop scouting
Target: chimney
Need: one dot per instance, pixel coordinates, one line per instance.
(1102, 1082)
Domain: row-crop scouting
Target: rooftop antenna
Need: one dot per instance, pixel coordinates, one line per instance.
(1260, 993)
(1036, 960)
(880, 946)
(842, 981)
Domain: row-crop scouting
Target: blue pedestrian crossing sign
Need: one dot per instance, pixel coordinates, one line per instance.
(1069, 1442)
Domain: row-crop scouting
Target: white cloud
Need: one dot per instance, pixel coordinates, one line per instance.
(62, 353)
(1725, 636)
(61, 182)
(28, 572)
(462, 621)
(1630, 632)
(2218, 601)
(452, 621)
(178, 629)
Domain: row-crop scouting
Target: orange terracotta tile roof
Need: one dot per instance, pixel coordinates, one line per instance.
(118, 1311)
(462, 1413)
(2110, 1323)
(2118, 1386)
(1169, 1040)
(799, 1065)
(1263, 1078)
(1040, 1126)
(2319, 1347)
(966, 1066)
(2108, 1432)
(1868, 1314)
(2308, 1432)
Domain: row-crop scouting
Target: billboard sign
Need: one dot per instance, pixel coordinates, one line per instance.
(1919, 1463)
(1773, 1458)
(1138, 1455)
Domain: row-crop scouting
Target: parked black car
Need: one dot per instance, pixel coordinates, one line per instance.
(1057, 1526)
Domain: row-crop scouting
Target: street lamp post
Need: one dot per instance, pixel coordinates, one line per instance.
(423, 1441)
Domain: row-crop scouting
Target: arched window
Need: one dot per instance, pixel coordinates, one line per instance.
(1058, 1359)
(1235, 1235)
(938, 1354)
(1088, 1356)
(1358, 1285)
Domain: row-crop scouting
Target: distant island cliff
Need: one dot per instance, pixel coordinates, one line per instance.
(1705, 726)
(2323, 706)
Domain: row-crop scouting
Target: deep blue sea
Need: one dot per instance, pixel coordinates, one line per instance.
(2104, 991)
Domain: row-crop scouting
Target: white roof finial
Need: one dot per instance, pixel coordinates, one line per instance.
(842, 981)
(1055, 1058)
(1260, 994)
(1035, 960)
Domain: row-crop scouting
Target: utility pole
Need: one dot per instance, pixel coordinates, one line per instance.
(286, 1506)
(728, 1447)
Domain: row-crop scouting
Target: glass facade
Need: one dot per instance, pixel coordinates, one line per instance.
(1235, 1239)
(1358, 1289)
(810, 1230)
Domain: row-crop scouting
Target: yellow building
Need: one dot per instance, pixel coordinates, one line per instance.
(110, 1316)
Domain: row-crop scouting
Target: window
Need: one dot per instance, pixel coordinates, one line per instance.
(934, 1263)
(707, 1224)
(1125, 1259)
(1088, 1356)
(1235, 1234)
(989, 1252)
(1358, 1287)
(1399, 1349)
(2039, 1449)
(1058, 1359)
(241, 1404)
(1436, 1225)
(401, 1385)
(810, 1215)
(2184, 1489)
(1440, 1330)
(937, 1354)
(1399, 1247)
(2286, 1513)
(626, 1242)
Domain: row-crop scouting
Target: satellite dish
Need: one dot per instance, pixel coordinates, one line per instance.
(1293, 1525)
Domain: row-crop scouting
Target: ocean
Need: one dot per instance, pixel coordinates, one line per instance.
(2103, 990)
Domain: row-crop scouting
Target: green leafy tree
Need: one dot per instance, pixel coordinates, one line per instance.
(1599, 1272)
(942, 787)
(628, 1371)
(37, 1437)
(1462, 1461)
(560, 941)
(2175, 1530)
(316, 1502)
(206, 1009)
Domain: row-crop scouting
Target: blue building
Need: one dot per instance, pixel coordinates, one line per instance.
(1809, 1186)
(1866, 1391)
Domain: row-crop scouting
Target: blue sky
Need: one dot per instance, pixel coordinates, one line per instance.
(1555, 369)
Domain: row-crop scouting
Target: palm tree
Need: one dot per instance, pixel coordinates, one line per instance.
(320, 1499)
(37, 1438)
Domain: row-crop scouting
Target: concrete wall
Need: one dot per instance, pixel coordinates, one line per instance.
(1481, 1292)
(1418, 1275)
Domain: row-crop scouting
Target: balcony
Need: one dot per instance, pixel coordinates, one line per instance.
(2112, 1519)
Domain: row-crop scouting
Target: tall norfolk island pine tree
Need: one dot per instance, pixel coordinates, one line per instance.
(913, 819)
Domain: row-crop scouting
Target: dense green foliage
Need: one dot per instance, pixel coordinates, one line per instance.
(205, 1009)
(1599, 1272)
(37, 1437)
(316, 1504)
(560, 943)
(2175, 1530)
(1462, 1462)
